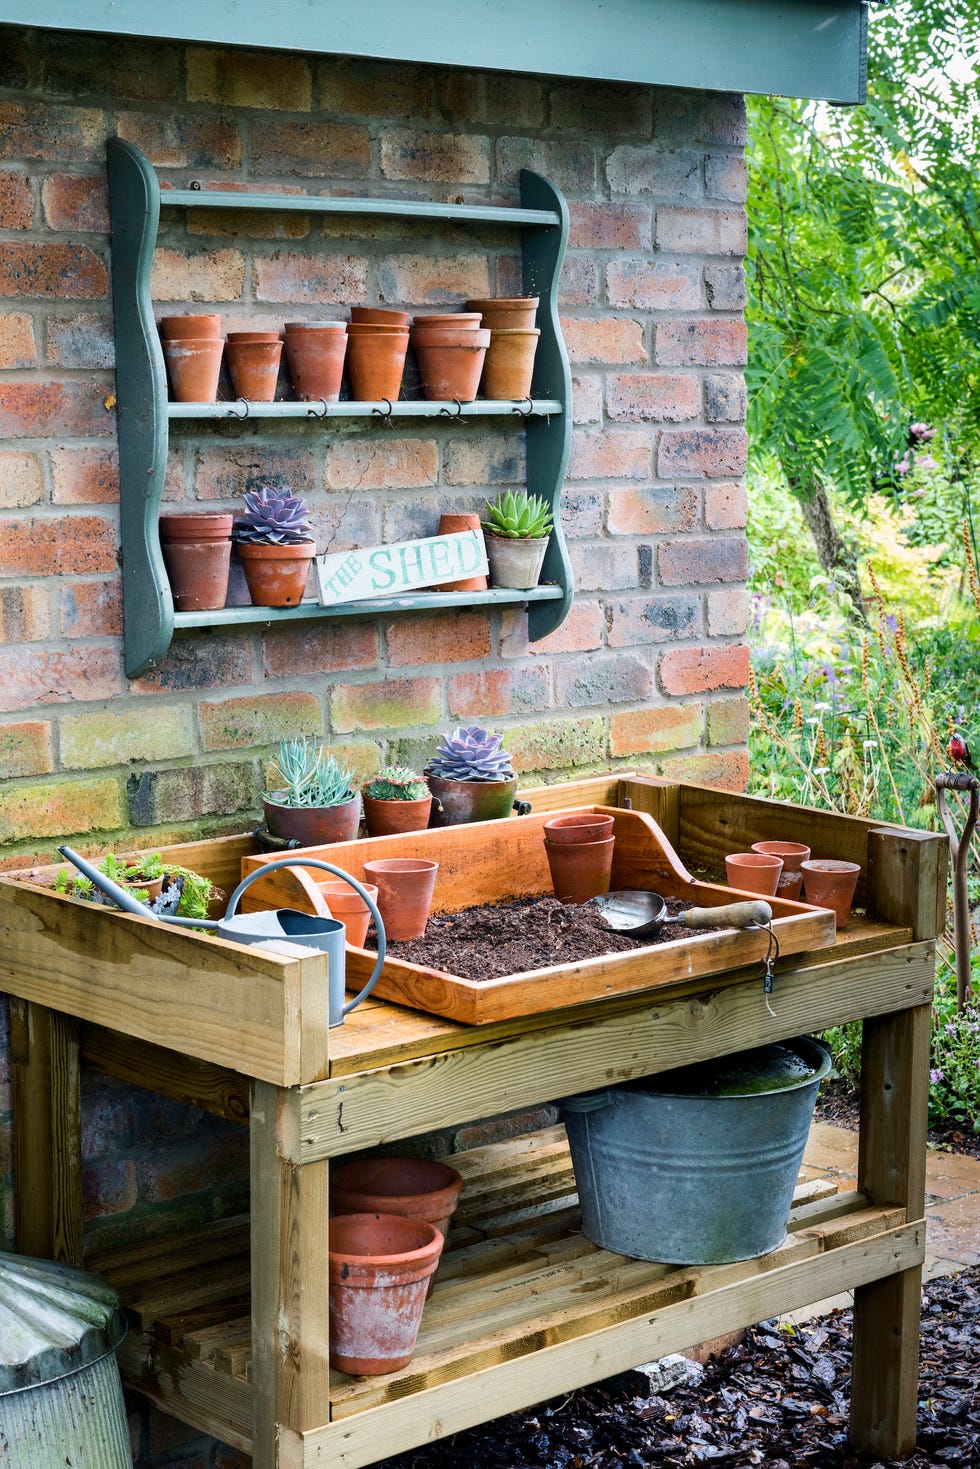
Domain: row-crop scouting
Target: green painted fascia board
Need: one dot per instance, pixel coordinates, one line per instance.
(798, 48)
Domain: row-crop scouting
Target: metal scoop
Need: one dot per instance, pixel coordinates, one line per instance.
(635, 913)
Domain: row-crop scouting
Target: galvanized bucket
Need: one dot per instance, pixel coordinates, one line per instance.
(691, 1179)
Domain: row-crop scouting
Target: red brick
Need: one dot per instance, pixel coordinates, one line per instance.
(650, 731)
(724, 397)
(701, 343)
(81, 340)
(213, 275)
(728, 612)
(497, 692)
(309, 149)
(342, 524)
(726, 506)
(75, 202)
(17, 345)
(652, 509)
(317, 278)
(607, 339)
(653, 285)
(579, 281)
(612, 454)
(75, 65)
(668, 172)
(190, 1166)
(587, 398)
(423, 641)
(644, 620)
(92, 609)
(436, 157)
(569, 165)
(581, 632)
(35, 410)
(16, 201)
(610, 678)
(225, 471)
(39, 129)
(66, 546)
(249, 223)
(263, 719)
(664, 397)
(178, 139)
(25, 614)
(702, 559)
(109, 1188)
(396, 464)
(293, 652)
(572, 744)
(21, 479)
(609, 226)
(728, 721)
(702, 231)
(606, 567)
(725, 286)
(702, 451)
(697, 670)
(605, 107)
(726, 177)
(238, 78)
(728, 771)
(427, 280)
(497, 459)
(29, 268)
(84, 476)
(373, 89)
(582, 513)
(58, 807)
(396, 703)
(25, 749)
(495, 99)
(212, 660)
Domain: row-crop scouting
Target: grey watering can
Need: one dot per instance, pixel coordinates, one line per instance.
(268, 928)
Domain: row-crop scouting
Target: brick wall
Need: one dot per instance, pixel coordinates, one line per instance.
(648, 670)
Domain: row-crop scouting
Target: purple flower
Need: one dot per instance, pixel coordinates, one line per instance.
(935, 1075)
(902, 465)
(921, 432)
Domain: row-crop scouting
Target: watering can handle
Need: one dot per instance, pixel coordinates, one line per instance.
(268, 867)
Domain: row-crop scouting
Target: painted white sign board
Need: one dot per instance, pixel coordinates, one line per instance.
(391, 571)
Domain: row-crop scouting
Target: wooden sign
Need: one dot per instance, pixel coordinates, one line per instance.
(390, 571)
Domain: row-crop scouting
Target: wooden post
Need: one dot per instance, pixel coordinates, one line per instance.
(47, 1134)
(658, 798)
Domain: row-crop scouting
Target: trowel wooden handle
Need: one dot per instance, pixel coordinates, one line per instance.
(731, 915)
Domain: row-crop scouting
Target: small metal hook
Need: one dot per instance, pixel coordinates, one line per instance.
(385, 412)
(242, 411)
(457, 414)
(315, 412)
(521, 410)
(768, 979)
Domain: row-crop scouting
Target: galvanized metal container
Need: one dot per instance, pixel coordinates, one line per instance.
(691, 1179)
(60, 1396)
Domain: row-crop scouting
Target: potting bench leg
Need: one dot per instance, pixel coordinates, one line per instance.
(46, 1132)
(891, 1170)
(289, 1211)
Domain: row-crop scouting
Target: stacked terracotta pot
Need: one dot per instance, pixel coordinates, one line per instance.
(192, 349)
(579, 846)
(450, 349)
(376, 348)
(509, 366)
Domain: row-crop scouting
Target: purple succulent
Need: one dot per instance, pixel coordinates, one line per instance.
(274, 517)
(470, 753)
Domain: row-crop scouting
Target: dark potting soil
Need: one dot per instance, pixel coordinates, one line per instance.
(840, 1103)
(495, 939)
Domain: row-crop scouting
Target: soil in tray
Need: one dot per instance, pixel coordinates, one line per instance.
(497, 939)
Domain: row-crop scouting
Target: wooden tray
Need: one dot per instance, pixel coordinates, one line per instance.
(491, 862)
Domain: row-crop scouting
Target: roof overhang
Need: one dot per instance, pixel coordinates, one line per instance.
(799, 48)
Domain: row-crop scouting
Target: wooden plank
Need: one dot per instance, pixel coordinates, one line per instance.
(907, 873)
(357, 1111)
(155, 1257)
(213, 1088)
(659, 798)
(47, 1142)
(213, 1402)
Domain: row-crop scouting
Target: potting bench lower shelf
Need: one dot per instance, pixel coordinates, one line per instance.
(230, 1323)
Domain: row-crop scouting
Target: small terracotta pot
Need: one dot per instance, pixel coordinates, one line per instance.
(451, 371)
(175, 327)
(509, 367)
(379, 1268)
(580, 870)
(194, 366)
(830, 883)
(507, 311)
(316, 362)
(754, 872)
(793, 854)
(277, 575)
(414, 1188)
(143, 891)
(375, 364)
(388, 818)
(452, 525)
(197, 554)
(254, 368)
(379, 315)
(312, 826)
(465, 320)
(578, 826)
(405, 888)
(350, 909)
(515, 563)
(458, 801)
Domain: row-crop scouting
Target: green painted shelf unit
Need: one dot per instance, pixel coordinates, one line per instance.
(144, 412)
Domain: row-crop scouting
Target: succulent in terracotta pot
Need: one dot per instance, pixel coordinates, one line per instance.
(166, 887)
(396, 799)
(276, 546)
(317, 802)
(516, 529)
(470, 777)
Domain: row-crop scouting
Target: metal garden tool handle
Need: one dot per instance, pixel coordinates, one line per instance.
(752, 914)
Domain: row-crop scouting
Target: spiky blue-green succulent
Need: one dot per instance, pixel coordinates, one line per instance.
(310, 776)
(471, 753)
(274, 517)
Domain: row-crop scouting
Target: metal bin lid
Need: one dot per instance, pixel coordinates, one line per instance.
(54, 1320)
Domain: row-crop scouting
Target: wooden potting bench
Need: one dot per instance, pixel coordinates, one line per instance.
(229, 1322)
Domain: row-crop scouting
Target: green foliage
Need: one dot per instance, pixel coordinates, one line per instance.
(310, 776)
(396, 783)
(518, 516)
(197, 892)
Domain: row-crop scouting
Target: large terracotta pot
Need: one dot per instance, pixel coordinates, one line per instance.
(375, 364)
(388, 818)
(515, 563)
(507, 311)
(312, 826)
(451, 370)
(580, 870)
(509, 367)
(276, 575)
(415, 1188)
(459, 801)
(405, 887)
(379, 1268)
(830, 883)
(254, 368)
(350, 909)
(794, 854)
(194, 366)
(175, 327)
(452, 525)
(197, 554)
(315, 353)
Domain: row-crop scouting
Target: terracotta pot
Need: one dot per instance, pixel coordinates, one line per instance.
(375, 363)
(143, 890)
(578, 826)
(414, 1188)
(580, 870)
(175, 327)
(312, 826)
(194, 366)
(379, 1268)
(197, 554)
(375, 328)
(459, 801)
(509, 367)
(451, 371)
(276, 575)
(515, 563)
(466, 320)
(316, 362)
(254, 368)
(830, 883)
(449, 336)
(379, 315)
(754, 872)
(507, 311)
(452, 525)
(315, 326)
(405, 887)
(387, 818)
(793, 854)
(254, 336)
(350, 909)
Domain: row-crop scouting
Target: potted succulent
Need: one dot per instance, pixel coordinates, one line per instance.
(470, 777)
(164, 886)
(317, 802)
(396, 799)
(517, 527)
(276, 546)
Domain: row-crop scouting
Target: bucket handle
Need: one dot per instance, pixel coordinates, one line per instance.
(361, 892)
(588, 1101)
